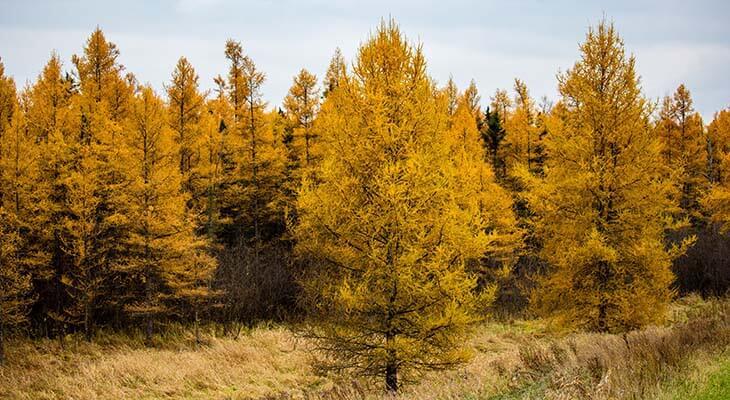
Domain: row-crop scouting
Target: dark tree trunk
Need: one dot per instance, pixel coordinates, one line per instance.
(197, 329)
(391, 377)
(2, 342)
(87, 323)
(604, 276)
(148, 331)
(602, 320)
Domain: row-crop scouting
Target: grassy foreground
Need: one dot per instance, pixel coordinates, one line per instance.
(687, 359)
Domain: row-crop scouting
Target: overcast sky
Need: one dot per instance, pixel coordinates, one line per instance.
(491, 42)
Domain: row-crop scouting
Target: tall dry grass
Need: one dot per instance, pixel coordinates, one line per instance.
(261, 362)
(520, 360)
(530, 364)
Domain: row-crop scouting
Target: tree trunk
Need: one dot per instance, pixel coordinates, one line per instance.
(62, 335)
(148, 331)
(604, 276)
(197, 330)
(602, 319)
(87, 321)
(148, 295)
(391, 377)
(2, 341)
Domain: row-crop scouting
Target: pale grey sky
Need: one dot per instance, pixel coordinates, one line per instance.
(490, 41)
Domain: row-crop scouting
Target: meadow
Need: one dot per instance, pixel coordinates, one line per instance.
(687, 358)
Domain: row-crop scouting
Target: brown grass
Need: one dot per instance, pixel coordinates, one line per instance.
(520, 360)
(524, 362)
(261, 362)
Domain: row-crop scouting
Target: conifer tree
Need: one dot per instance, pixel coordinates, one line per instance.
(684, 148)
(522, 128)
(717, 199)
(502, 104)
(471, 98)
(452, 96)
(603, 206)
(90, 231)
(394, 220)
(48, 100)
(48, 113)
(84, 235)
(335, 72)
(185, 108)
(211, 168)
(24, 194)
(15, 285)
(493, 135)
(8, 99)
(100, 76)
(259, 157)
(165, 257)
(301, 105)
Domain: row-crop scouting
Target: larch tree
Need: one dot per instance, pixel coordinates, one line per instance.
(522, 128)
(467, 150)
(717, 199)
(15, 284)
(259, 158)
(471, 98)
(301, 105)
(335, 72)
(211, 169)
(90, 231)
(48, 110)
(451, 91)
(603, 206)
(100, 76)
(48, 100)
(8, 99)
(24, 194)
(393, 221)
(186, 104)
(502, 104)
(83, 235)
(165, 257)
(682, 133)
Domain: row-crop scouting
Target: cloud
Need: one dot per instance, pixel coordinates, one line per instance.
(488, 41)
(193, 6)
(700, 67)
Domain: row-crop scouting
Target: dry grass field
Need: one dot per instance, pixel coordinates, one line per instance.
(512, 360)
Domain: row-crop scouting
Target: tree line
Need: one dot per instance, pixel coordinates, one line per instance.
(391, 211)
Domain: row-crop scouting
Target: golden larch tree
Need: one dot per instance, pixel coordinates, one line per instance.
(717, 199)
(392, 222)
(15, 209)
(211, 167)
(522, 130)
(165, 257)
(682, 134)
(451, 91)
(89, 229)
(186, 104)
(47, 113)
(603, 206)
(259, 156)
(101, 76)
(301, 105)
(335, 72)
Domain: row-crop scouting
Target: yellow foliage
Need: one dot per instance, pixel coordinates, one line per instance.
(604, 204)
(717, 200)
(399, 207)
(683, 139)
